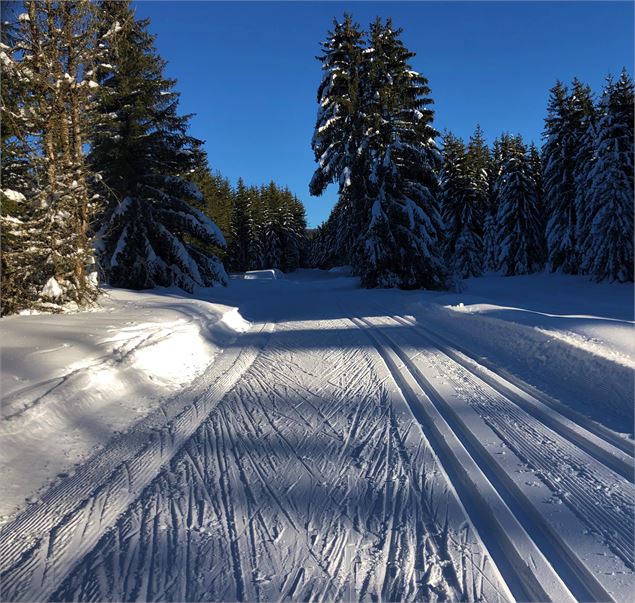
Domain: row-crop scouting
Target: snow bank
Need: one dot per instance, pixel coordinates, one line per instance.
(597, 318)
(571, 338)
(272, 274)
(72, 381)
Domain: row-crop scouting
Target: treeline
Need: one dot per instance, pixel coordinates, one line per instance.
(568, 207)
(264, 226)
(101, 180)
(412, 215)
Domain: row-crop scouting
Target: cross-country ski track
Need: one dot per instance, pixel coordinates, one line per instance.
(342, 449)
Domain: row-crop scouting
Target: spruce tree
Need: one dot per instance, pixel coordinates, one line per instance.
(461, 207)
(150, 234)
(583, 159)
(607, 246)
(518, 222)
(490, 225)
(401, 246)
(240, 228)
(47, 100)
(564, 133)
(535, 165)
(217, 196)
(339, 131)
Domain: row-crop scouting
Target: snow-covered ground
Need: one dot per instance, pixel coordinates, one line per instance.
(350, 444)
(72, 381)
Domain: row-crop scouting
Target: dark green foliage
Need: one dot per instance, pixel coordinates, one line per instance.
(151, 233)
(47, 93)
(462, 199)
(374, 137)
(519, 232)
(607, 233)
(268, 229)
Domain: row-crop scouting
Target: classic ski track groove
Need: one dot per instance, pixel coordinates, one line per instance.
(589, 496)
(580, 581)
(41, 546)
(594, 438)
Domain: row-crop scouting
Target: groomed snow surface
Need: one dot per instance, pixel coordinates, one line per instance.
(300, 438)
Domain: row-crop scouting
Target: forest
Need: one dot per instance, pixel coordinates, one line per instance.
(103, 182)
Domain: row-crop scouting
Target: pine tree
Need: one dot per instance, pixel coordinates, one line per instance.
(48, 260)
(461, 206)
(564, 131)
(518, 222)
(402, 242)
(150, 235)
(217, 201)
(490, 225)
(478, 162)
(339, 131)
(583, 158)
(535, 165)
(240, 229)
(607, 245)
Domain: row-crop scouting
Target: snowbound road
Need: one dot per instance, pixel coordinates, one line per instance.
(348, 447)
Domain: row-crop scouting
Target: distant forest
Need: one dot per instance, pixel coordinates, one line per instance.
(102, 181)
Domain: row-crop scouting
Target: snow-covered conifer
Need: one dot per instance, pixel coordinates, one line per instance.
(518, 222)
(461, 209)
(564, 130)
(402, 243)
(607, 244)
(339, 128)
(47, 99)
(150, 234)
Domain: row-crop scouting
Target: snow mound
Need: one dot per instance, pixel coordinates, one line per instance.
(271, 274)
(234, 320)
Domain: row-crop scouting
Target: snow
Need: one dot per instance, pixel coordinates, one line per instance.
(359, 444)
(71, 382)
(597, 318)
(12, 195)
(344, 270)
(271, 274)
(52, 289)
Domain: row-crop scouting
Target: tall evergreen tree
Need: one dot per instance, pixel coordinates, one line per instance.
(217, 196)
(478, 162)
(490, 224)
(559, 192)
(587, 116)
(150, 235)
(535, 165)
(47, 97)
(607, 245)
(462, 210)
(402, 242)
(339, 131)
(519, 227)
(241, 228)
(564, 132)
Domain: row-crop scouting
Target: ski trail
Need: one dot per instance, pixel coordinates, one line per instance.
(599, 499)
(42, 545)
(308, 481)
(590, 494)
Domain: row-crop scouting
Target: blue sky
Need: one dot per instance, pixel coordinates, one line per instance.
(248, 70)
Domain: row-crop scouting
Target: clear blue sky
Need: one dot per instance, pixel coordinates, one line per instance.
(248, 70)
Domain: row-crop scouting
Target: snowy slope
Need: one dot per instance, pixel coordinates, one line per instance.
(359, 445)
(72, 381)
